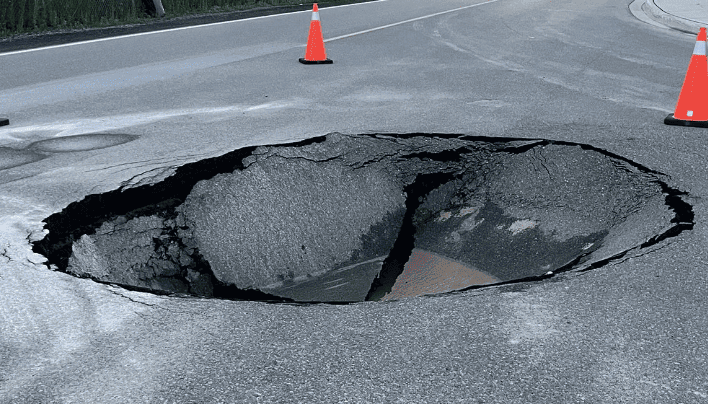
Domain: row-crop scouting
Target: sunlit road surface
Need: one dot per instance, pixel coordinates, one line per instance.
(571, 70)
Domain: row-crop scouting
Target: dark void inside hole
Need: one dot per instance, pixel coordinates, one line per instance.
(348, 218)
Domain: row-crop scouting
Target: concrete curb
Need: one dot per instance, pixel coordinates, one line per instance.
(635, 7)
(670, 20)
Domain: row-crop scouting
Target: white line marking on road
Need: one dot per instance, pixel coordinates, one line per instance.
(336, 286)
(407, 21)
(381, 258)
(173, 29)
(92, 125)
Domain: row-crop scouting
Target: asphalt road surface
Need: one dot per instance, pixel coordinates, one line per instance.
(585, 71)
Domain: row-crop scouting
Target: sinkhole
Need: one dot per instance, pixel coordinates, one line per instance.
(349, 218)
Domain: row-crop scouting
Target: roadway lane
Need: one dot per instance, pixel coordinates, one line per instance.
(572, 70)
(226, 42)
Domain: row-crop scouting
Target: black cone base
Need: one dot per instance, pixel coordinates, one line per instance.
(4, 121)
(315, 62)
(670, 120)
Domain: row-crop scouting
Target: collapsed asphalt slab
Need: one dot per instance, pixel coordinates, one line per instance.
(347, 218)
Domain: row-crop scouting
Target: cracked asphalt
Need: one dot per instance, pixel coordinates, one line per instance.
(630, 331)
(277, 218)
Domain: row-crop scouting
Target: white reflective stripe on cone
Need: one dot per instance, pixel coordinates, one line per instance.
(316, 16)
(700, 48)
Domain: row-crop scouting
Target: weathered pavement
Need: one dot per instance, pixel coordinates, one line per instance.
(633, 330)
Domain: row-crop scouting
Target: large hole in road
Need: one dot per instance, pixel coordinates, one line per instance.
(348, 218)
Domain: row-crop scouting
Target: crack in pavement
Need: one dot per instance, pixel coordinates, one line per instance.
(478, 167)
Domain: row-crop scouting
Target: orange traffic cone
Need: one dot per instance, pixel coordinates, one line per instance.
(315, 53)
(4, 121)
(692, 106)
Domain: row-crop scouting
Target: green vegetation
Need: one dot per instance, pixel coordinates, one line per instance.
(33, 16)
